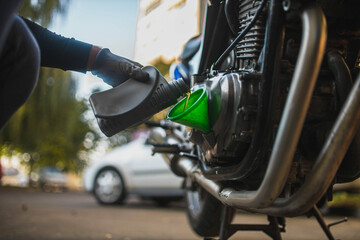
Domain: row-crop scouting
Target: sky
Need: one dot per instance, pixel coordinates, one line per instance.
(105, 23)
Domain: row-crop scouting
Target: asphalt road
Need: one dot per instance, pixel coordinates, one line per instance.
(32, 214)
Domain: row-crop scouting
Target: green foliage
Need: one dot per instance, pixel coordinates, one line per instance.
(344, 199)
(42, 11)
(162, 66)
(50, 126)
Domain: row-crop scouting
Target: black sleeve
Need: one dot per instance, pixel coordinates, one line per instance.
(58, 51)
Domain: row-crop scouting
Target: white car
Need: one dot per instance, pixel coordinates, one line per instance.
(131, 169)
(51, 177)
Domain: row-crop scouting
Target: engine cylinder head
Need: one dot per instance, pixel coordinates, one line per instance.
(249, 48)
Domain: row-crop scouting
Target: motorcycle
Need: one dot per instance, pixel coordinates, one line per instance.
(282, 112)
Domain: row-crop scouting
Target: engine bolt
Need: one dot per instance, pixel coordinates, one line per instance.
(286, 5)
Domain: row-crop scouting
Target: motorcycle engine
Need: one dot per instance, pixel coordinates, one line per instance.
(232, 104)
(232, 95)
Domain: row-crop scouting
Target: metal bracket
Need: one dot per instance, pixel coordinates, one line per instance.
(273, 229)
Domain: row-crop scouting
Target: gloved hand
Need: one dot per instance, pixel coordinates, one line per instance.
(115, 70)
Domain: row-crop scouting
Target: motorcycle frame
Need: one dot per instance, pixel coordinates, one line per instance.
(266, 198)
(269, 80)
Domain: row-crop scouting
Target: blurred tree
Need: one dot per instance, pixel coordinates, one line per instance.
(50, 128)
(163, 66)
(42, 11)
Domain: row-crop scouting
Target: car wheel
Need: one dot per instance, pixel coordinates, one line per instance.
(204, 210)
(109, 187)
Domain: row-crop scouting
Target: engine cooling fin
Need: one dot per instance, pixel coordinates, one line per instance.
(249, 48)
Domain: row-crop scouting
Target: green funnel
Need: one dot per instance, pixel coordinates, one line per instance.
(192, 111)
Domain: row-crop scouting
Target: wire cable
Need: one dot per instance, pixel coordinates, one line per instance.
(240, 36)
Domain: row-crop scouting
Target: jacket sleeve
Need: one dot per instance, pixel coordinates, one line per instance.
(58, 51)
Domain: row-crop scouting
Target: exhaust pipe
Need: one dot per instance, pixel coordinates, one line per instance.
(293, 117)
(315, 184)
(327, 163)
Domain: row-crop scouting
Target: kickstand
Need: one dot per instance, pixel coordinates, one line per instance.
(273, 229)
(326, 228)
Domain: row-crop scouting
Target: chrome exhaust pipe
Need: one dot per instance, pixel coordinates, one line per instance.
(293, 117)
(303, 82)
(327, 163)
(315, 184)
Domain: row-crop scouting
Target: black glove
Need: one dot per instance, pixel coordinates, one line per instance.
(115, 70)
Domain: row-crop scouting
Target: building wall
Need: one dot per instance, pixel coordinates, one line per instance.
(164, 26)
